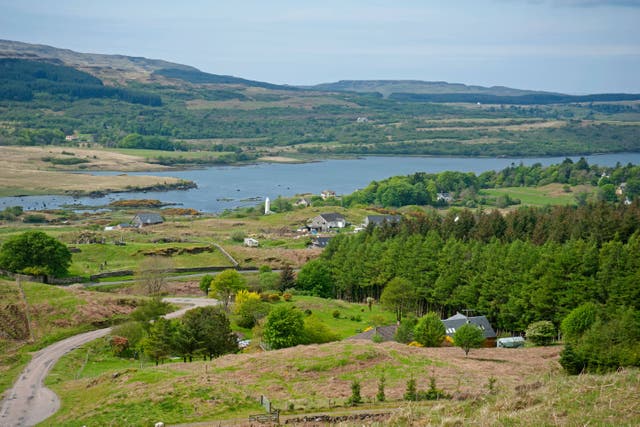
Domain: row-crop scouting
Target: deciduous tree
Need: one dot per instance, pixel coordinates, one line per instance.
(468, 336)
(226, 284)
(284, 327)
(35, 252)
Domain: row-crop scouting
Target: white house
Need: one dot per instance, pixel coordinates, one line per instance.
(251, 242)
(326, 194)
(326, 221)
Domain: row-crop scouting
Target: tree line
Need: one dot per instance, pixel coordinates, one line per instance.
(423, 188)
(532, 264)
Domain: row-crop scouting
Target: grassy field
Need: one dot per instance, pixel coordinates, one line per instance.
(151, 155)
(56, 313)
(552, 194)
(529, 387)
(128, 257)
(353, 318)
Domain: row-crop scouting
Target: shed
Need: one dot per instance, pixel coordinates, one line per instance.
(510, 342)
(251, 242)
(320, 242)
(144, 219)
(386, 333)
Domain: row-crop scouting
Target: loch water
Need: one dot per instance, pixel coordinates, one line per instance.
(228, 187)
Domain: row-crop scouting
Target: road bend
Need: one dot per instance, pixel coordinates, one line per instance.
(30, 402)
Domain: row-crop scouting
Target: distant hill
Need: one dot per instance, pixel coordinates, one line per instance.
(121, 68)
(199, 77)
(443, 92)
(388, 87)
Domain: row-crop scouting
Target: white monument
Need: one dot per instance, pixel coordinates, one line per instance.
(267, 206)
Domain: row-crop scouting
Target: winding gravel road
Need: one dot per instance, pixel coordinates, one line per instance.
(30, 402)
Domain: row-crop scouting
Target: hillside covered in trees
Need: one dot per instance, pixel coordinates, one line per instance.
(48, 93)
(530, 264)
(427, 188)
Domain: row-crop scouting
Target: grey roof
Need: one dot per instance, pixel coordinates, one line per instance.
(454, 322)
(321, 242)
(332, 217)
(379, 219)
(387, 333)
(148, 218)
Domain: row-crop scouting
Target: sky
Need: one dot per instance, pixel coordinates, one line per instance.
(569, 46)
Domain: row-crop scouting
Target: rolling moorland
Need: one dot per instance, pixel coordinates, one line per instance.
(522, 245)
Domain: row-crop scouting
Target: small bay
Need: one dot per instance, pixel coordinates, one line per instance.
(228, 187)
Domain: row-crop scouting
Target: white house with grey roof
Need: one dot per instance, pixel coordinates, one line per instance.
(144, 219)
(327, 221)
(454, 322)
(381, 219)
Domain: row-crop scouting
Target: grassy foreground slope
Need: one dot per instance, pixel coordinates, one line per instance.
(56, 313)
(530, 388)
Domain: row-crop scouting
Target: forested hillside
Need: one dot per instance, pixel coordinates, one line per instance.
(530, 264)
(21, 79)
(55, 93)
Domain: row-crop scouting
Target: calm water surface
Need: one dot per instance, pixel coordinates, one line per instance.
(227, 187)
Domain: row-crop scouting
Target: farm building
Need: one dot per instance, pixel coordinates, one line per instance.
(144, 219)
(381, 219)
(454, 322)
(326, 221)
(386, 333)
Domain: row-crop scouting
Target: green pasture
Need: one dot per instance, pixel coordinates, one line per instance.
(537, 196)
(353, 317)
(154, 154)
(128, 257)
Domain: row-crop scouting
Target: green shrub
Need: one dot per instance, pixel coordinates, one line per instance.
(317, 332)
(336, 314)
(404, 334)
(238, 236)
(250, 311)
(380, 396)
(205, 283)
(433, 393)
(355, 398)
(541, 333)
(274, 298)
(134, 332)
(611, 342)
(34, 219)
(411, 393)
(429, 331)
(578, 321)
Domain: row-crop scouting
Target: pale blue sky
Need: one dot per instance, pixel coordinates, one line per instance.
(573, 46)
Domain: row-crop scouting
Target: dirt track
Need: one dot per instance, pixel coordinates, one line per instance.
(30, 402)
